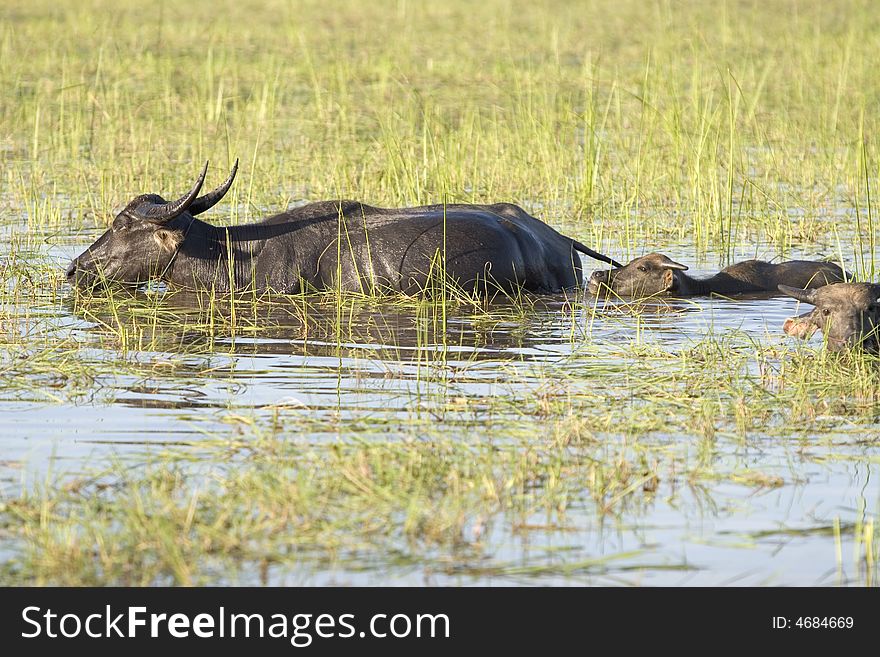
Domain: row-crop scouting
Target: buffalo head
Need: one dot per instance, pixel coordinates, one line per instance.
(645, 276)
(144, 237)
(847, 314)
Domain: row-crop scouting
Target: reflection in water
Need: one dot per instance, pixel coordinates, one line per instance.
(303, 327)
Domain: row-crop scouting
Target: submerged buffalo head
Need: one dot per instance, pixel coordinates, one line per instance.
(848, 314)
(650, 274)
(144, 237)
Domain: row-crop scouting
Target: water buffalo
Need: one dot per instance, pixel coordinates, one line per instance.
(655, 273)
(343, 245)
(848, 315)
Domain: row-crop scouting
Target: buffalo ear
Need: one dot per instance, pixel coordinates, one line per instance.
(670, 282)
(167, 239)
(666, 263)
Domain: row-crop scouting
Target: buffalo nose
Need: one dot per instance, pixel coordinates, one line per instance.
(71, 270)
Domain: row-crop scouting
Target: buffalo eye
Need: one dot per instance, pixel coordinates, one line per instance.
(643, 268)
(120, 223)
(826, 312)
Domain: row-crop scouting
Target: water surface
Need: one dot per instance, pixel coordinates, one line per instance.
(397, 366)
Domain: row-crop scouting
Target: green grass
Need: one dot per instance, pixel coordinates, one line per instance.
(629, 123)
(447, 444)
(290, 491)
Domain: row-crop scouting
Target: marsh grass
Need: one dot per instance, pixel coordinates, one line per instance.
(439, 437)
(429, 489)
(288, 492)
(650, 129)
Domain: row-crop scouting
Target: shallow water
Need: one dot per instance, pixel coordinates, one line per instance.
(389, 364)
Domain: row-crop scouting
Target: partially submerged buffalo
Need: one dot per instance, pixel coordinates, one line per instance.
(848, 314)
(655, 273)
(343, 245)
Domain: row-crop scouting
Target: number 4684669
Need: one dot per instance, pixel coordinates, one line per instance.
(830, 622)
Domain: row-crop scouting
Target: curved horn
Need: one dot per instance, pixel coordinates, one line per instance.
(806, 296)
(162, 212)
(209, 200)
